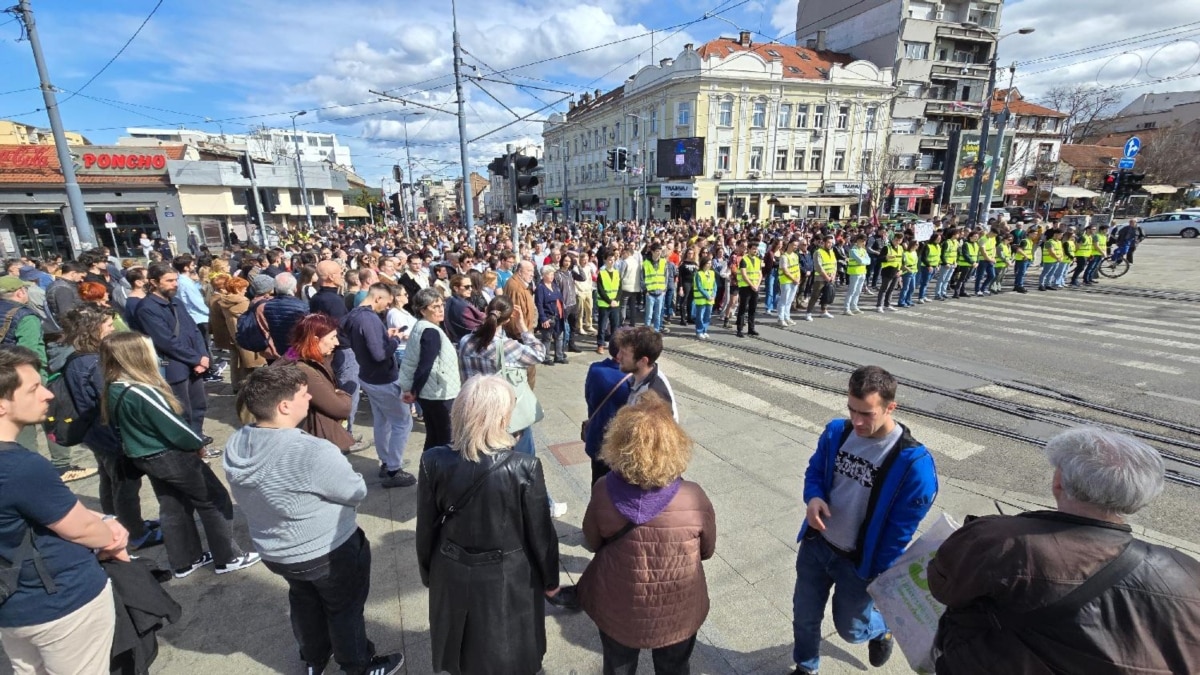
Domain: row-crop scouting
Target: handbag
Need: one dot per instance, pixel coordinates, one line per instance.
(827, 294)
(584, 425)
(527, 411)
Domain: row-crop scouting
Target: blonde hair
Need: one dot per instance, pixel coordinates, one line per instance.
(130, 356)
(646, 445)
(480, 416)
(219, 266)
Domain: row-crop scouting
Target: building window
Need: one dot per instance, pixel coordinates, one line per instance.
(867, 157)
(903, 161)
(839, 160)
(327, 142)
(798, 160)
(872, 114)
(904, 125)
(654, 121)
(685, 114)
(814, 164)
(802, 116)
(756, 158)
(725, 114)
(637, 123)
(723, 158)
(916, 50)
(651, 167)
(760, 115)
(785, 115)
(313, 142)
(843, 118)
(913, 90)
(781, 160)
(819, 117)
(1045, 152)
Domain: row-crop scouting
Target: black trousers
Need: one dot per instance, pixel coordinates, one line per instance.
(671, 660)
(1080, 265)
(194, 400)
(120, 484)
(747, 306)
(437, 422)
(890, 277)
(187, 487)
(959, 279)
(606, 327)
(327, 597)
(628, 312)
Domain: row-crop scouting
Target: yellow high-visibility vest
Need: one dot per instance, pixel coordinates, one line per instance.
(656, 275)
(828, 261)
(751, 269)
(707, 280)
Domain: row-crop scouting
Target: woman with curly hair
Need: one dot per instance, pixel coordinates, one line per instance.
(649, 528)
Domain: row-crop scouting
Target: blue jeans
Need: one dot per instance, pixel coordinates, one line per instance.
(943, 281)
(1092, 268)
(1060, 278)
(607, 324)
(854, 291)
(923, 277)
(345, 370)
(703, 318)
(772, 291)
(1049, 272)
(1019, 270)
(392, 422)
(525, 443)
(654, 310)
(819, 568)
(908, 283)
(985, 275)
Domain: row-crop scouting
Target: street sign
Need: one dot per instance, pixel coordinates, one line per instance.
(1132, 147)
(1126, 163)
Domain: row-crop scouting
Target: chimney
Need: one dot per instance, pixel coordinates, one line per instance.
(571, 105)
(811, 43)
(821, 40)
(744, 38)
(688, 47)
(597, 93)
(665, 63)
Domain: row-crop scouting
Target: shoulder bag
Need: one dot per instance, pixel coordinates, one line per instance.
(528, 410)
(584, 426)
(461, 503)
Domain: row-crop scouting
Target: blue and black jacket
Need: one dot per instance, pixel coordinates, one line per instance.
(903, 493)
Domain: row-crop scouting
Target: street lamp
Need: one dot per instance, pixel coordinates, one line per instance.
(408, 159)
(644, 156)
(984, 127)
(300, 170)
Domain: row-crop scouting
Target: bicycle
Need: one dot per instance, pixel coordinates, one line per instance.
(1115, 265)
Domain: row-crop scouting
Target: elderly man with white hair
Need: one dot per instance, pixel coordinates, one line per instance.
(282, 312)
(1070, 590)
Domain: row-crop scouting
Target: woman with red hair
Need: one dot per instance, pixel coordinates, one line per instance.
(96, 293)
(313, 340)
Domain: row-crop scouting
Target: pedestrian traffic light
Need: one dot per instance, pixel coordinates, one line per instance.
(1110, 182)
(622, 160)
(525, 182)
(499, 166)
(611, 162)
(395, 200)
(246, 165)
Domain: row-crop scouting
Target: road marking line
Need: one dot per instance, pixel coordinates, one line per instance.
(1169, 397)
(1078, 317)
(1142, 365)
(1176, 344)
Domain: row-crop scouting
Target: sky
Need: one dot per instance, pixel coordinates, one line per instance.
(229, 66)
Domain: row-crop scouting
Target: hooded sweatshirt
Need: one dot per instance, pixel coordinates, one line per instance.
(298, 492)
(639, 505)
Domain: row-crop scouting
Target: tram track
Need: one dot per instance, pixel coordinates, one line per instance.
(1181, 468)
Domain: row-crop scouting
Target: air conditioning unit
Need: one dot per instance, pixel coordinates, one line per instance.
(753, 175)
(939, 15)
(718, 174)
(817, 134)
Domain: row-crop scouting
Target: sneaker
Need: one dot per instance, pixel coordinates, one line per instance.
(241, 563)
(808, 317)
(400, 478)
(558, 509)
(879, 650)
(204, 559)
(752, 333)
(879, 309)
(802, 671)
(383, 472)
(315, 668)
(892, 308)
(150, 538)
(826, 315)
(385, 665)
(209, 452)
(600, 350)
(74, 473)
(358, 445)
(666, 331)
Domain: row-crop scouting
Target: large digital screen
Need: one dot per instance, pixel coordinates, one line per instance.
(680, 157)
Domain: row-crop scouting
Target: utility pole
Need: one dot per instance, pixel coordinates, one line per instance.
(87, 235)
(262, 216)
(408, 160)
(300, 171)
(984, 129)
(1004, 115)
(468, 207)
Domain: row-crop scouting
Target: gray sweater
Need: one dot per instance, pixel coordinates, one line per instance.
(298, 492)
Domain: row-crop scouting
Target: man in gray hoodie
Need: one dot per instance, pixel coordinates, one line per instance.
(299, 495)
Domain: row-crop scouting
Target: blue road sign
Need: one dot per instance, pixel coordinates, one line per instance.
(1126, 163)
(1133, 146)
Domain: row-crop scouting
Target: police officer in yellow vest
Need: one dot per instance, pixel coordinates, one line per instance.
(749, 276)
(704, 293)
(824, 276)
(1083, 253)
(654, 280)
(608, 305)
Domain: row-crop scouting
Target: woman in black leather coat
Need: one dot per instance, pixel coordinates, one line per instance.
(496, 558)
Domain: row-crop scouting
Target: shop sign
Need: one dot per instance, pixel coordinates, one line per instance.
(678, 190)
(842, 187)
(26, 156)
(119, 160)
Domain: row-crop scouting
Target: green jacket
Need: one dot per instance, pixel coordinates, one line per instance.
(146, 423)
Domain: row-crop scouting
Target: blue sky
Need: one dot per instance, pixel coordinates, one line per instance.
(227, 66)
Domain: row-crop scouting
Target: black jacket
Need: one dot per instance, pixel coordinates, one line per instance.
(174, 334)
(85, 381)
(508, 520)
(282, 313)
(143, 607)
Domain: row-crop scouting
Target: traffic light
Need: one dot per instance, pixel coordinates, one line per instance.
(1130, 183)
(622, 160)
(1111, 181)
(397, 173)
(525, 182)
(499, 166)
(330, 211)
(611, 162)
(246, 165)
(395, 199)
(251, 206)
(268, 199)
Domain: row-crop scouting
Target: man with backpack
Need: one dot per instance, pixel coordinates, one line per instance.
(59, 617)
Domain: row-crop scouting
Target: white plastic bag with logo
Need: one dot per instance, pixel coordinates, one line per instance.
(902, 595)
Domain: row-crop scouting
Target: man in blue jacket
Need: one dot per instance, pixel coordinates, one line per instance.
(867, 488)
(606, 390)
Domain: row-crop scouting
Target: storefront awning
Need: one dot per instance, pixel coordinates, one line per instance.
(1072, 192)
(1160, 189)
(1014, 190)
(814, 201)
(912, 191)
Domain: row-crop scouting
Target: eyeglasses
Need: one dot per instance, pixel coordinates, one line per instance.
(466, 286)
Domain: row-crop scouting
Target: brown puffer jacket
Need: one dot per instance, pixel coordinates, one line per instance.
(647, 589)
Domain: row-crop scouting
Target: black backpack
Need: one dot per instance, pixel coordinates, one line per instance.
(64, 425)
(10, 570)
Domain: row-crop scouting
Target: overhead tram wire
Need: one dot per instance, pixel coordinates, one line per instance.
(1112, 44)
(117, 55)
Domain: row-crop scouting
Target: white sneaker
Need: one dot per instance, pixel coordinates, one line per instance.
(826, 315)
(808, 317)
(893, 308)
(879, 309)
(847, 312)
(241, 563)
(558, 509)
(857, 311)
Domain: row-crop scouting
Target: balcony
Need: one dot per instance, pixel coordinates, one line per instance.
(960, 70)
(930, 176)
(962, 33)
(935, 143)
(959, 108)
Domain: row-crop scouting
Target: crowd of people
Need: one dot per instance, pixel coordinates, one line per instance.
(451, 330)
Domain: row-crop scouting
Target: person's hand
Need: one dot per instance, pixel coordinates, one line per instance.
(816, 509)
(553, 592)
(546, 324)
(408, 397)
(199, 369)
(120, 538)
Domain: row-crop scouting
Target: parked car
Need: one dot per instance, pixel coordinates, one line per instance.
(1175, 224)
(1020, 214)
(998, 214)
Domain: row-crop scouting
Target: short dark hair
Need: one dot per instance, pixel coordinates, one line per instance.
(12, 357)
(642, 341)
(73, 266)
(266, 387)
(182, 261)
(158, 270)
(869, 380)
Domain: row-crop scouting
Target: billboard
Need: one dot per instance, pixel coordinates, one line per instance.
(680, 157)
(964, 149)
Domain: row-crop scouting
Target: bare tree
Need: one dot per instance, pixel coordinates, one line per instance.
(880, 174)
(1169, 155)
(1086, 108)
